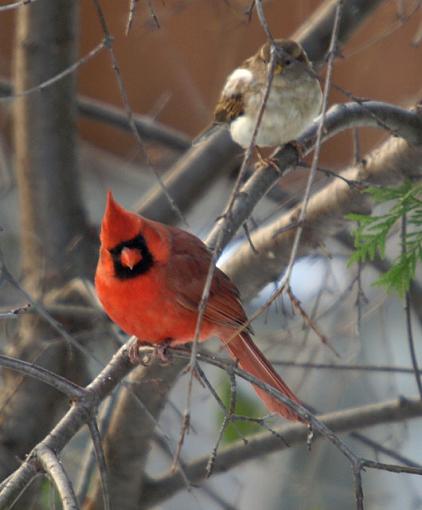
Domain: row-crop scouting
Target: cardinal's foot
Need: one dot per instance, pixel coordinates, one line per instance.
(140, 357)
(160, 351)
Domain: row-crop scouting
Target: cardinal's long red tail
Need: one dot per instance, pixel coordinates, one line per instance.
(255, 363)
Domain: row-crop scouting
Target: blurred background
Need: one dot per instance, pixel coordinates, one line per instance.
(174, 73)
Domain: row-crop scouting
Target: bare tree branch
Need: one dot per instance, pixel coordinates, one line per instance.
(148, 128)
(118, 367)
(315, 33)
(127, 443)
(102, 466)
(42, 374)
(266, 443)
(340, 117)
(191, 176)
(51, 214)
(15, 5)
(220, 153)
(52, 466)
(391, 163)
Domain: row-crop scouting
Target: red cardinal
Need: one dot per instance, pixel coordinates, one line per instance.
(150, 279)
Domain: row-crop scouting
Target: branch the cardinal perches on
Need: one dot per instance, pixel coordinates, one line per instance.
(83, 408)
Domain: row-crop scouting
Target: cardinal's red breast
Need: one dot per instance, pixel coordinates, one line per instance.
(150, 279)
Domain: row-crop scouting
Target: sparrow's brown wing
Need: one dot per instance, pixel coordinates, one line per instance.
(229, 108)
(231, 103)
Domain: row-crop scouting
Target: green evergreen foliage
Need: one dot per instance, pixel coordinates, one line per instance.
(371, 235)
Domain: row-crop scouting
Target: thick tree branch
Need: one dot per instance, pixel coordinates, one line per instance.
(192, 176)
(51, 214)
(148, 128)
(395, 160)
(294, 435)
(78, 415)
(315, 33)
(82, 409)
(128, 439)
(339, 118)
(220, 153)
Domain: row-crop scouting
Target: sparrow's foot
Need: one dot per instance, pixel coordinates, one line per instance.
(264, 161)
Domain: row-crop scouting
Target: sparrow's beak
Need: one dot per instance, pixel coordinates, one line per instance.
(278, 69)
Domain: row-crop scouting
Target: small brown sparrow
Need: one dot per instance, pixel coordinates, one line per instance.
(294, 100)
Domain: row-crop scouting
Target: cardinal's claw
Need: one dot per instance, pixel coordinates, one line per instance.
(136, 357)
(160, 351)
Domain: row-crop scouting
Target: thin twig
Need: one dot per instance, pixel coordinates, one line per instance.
(12, 314)
(15, 5)
(357, 478)
(128, 108)
(392, 468)
(220, 403)
(56, 381)
(218, 247)
(360, 296)
(263, 21)
(131, 16)
(226, 421)
(379, 448)
(51, 81)
(309, 321)
(332, 53)
(152, 13)
(87, 464)
(54, 469)
(339, 366)
(102, 467)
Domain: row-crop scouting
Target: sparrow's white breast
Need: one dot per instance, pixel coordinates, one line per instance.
(289, 109)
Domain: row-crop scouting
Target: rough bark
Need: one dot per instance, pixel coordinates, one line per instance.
(395, 160)
(51, 214)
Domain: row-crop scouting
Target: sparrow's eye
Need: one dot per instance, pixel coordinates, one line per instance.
(288, 62)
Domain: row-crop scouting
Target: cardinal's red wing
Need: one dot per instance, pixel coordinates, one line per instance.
(186, 276)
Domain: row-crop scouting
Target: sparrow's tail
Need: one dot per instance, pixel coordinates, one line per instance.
(251, 359)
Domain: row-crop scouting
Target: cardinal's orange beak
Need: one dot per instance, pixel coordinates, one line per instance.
(130, 257)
